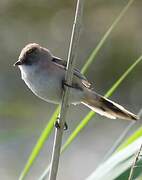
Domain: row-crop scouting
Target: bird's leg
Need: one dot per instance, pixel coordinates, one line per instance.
(57, 125)
(65, 84)
(65, 126)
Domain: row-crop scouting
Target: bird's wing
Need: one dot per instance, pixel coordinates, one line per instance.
(63, 64)
(59, 62)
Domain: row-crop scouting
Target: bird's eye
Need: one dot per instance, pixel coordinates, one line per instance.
(32, 50)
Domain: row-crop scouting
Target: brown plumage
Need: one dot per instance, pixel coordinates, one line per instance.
(107, 107)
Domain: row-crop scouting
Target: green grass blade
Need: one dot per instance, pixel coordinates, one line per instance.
(117, 164)
(131, 139)
(88, 117)
(45, 134)
(139, 177)
(104, 38)
(113, 88)
(122, 137)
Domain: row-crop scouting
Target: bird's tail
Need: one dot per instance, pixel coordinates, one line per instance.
(106, 107)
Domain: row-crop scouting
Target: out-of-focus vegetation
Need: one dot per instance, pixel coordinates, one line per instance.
(23, 116)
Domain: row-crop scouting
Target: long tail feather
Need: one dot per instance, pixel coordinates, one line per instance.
(106, 107)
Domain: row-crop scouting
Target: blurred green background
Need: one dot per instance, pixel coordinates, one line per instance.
(23, 116)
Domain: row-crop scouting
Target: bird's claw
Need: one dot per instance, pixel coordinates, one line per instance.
(65, 126)
(65, 84)
(57, 125)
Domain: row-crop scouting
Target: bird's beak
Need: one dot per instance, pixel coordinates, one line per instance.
(17, 63)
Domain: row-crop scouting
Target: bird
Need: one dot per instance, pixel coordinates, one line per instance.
(44, 74)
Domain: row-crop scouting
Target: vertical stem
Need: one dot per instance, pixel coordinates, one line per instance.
(134, 163)
(68, 78)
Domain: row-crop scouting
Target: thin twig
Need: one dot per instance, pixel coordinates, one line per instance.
(68, 79)
(134, 163)
(122, 137)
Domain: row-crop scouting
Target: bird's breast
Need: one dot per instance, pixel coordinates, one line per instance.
(48, 84)
(44, 84)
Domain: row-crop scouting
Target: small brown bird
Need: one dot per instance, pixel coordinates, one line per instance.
(44, 74)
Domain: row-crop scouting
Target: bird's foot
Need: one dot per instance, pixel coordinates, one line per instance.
(65, 84)
(57, 125)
